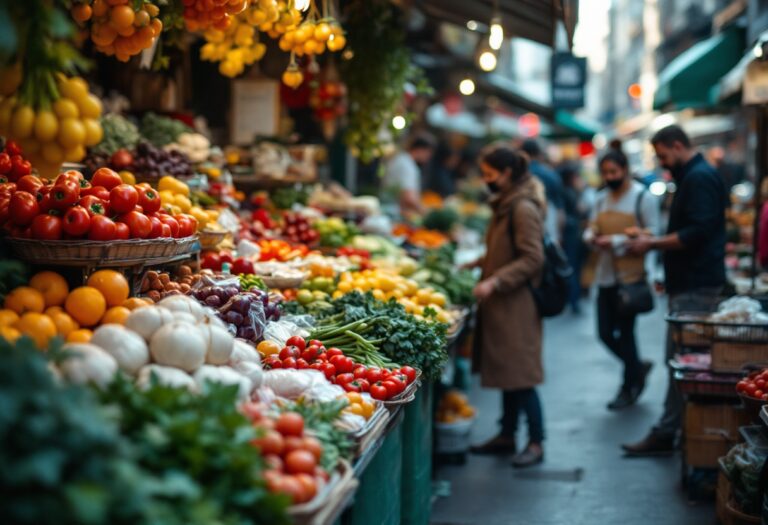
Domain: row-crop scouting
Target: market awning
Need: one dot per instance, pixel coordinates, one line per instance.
(686, 82)
(569, 125)
(535, 20)
(508, 92)
(749, 76)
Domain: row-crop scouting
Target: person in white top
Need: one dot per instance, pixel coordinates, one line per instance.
(402, 176)
(623, 210)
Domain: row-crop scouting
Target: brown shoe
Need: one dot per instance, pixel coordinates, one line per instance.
(500, 445)
(652, 445)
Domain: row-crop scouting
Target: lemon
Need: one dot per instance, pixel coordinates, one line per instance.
(22, 122)
(46, 125)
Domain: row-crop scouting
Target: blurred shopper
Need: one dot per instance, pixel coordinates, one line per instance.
(403, 175)
(509, 330)
(553, 186)
(575, 215)
(445, 171)
(694, 258)
(624, 208)
(730, 172)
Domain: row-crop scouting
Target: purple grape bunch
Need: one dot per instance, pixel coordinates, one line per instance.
(246, 313)
(215, 296)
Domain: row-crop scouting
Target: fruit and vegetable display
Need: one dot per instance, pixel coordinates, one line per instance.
(755, 385)
(454, 406)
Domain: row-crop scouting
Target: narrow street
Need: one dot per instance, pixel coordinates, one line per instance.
(584, 480)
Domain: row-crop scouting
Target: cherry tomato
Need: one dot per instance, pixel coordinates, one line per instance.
(46, 227)
(12, 147)
(102, 229)
(64, 194)
(123, 198)
(329, 370)
(741, 386)
(758, 394)
(19, 168)
(23, 208)
(289, 362)
(139, 224)
(107, 178)
(392, 387)
(122, 231)
(317, 365)
(29, 183)
(313, 445)
(149, 199)
(379, 391)
(77, 221)
(93, 205)
(5, 164)
(331, 352)
(343, 364)
(290, 424)
(298, 342)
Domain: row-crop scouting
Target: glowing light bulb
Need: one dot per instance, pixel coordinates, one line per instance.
(487, 61)
(472, 25)
(398, 122)
(301, 5)
(496, 37)
(467, 86)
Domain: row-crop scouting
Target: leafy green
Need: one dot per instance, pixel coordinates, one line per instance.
(13, 274)
(119, 133)
(440, 272)
(160, 130)
(62, 460)
(285, 198)
(405, 339)
(202, 438)
(320, 418)
(441, 219)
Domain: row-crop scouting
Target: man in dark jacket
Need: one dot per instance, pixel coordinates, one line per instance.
(694, 258)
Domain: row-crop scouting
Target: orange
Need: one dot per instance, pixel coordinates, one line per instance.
(80, 336)
(8, 317)
(37, 326)
(86, 305)
(121, 16)
(25, 299)
(81, 12)
(53, 310)
(113, 285)
(268, 348)
(116, 315)
(9, 333)
(53, 287)
(135, 302)
(65, 325)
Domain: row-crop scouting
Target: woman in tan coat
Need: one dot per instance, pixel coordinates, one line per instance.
(508, 337)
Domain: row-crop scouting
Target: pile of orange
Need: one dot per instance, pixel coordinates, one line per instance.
(47, 308)
(117, 29)
(200, 15)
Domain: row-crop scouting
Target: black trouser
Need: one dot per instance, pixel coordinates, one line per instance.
(617, 332)
(526, 401)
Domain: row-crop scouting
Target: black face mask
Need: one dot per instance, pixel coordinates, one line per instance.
(614, 184)
(493, 187)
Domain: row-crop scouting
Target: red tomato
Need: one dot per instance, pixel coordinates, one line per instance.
(107, 178)
(343, 364)
(123, 198)
(392, 387)
(333, 351)
(271, 442)
(289, 351)
(379, 391)
(310, 353)
(102, 229)
(100, 192)
(30, 184)
(329, 370)
(93, 205)
(226, 257)
(760, 383)
(172, 224)
(64, 194)
(69, 175)
(758, 394)
(5, 163)
(187, 225)
(301, 364)
(741, 386)
(290, 424)
(343, 379)
(19, 168)
(12, 147)
(122, 231)
(409, 372)
(364, 385)
(22, 208)
(139, 223)
(300, 461)
(289, 362)
(9, 188)
(166, 232)
(210, 261)
(157, 228)
(242, 265)
(149, 199)
(373, 375)
(314, 446)
(77, 221)
(298, 342)
(46, 228)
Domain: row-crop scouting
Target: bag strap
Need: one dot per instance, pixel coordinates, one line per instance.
(638, 210)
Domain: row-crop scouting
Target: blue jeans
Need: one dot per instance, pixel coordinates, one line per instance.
(527, 401)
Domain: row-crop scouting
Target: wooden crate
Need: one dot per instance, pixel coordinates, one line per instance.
(723, 494)
(710, 431)
(730, 356)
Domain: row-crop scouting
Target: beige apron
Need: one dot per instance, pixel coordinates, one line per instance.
(628, 268)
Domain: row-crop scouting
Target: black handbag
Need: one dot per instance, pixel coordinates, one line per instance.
(634, 298)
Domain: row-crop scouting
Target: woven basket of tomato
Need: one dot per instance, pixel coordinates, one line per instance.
(330, 501)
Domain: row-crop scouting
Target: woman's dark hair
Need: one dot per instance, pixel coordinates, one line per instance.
(503, 157)
(616, 156)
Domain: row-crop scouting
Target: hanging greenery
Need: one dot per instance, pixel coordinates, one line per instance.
(376, 70)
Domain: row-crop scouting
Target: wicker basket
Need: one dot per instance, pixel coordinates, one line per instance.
(210, 239)
(120, 252)
(281, 283)
(406, 396)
